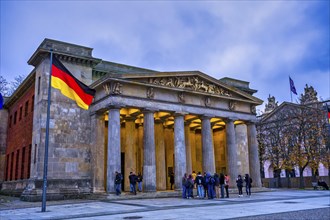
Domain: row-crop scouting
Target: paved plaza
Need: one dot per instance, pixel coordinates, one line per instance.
(277, 204)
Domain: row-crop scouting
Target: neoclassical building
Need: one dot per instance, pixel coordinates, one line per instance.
(141, 120)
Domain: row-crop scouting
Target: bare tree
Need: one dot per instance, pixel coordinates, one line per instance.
(16, 83)
(4, 90)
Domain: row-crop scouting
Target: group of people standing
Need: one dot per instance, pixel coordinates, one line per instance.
(210, 186)
(133, 179)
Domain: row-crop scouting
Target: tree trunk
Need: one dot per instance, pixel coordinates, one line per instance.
(301, 178)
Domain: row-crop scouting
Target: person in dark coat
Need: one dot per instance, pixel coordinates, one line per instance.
(172, 180)
(222, 185)
(118, 180)
(239, 182)
(190, 186)
(132, 181)
(210, 185)
(248, 181)
(184, 184)
(199, 183)
(139, 181)
(227, 185)
(216, 185)
(205, 185)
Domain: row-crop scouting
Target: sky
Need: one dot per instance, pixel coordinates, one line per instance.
(262, 42)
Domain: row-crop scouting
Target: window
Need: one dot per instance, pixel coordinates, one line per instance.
(20, 113)
(7, 167)
(12, 166)
(32, 105)
(23, 163)
(26, 108)
(39, 85)
(16, 167)
(29, 162)
(10, 121)
(15, 117)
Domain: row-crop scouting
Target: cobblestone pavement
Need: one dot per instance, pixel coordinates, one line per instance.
(279, 204)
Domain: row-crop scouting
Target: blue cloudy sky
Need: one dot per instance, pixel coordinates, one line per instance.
(262, 42)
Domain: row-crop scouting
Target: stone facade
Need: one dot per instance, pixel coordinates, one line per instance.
(140, 120)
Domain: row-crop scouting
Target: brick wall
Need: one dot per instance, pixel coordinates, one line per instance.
(19, 137)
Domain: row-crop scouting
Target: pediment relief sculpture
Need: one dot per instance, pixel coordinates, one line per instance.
(190, 82)
(113, 88)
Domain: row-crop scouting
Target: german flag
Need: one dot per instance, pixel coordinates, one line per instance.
(69, 86)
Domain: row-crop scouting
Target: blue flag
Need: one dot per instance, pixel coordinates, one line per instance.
(1, 101)
(292, 87)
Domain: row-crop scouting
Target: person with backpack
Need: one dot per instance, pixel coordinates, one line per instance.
(216, 185)
(190, 187)
(200, 186)
(205, 185)
(210, 185)
(184, 184)
(118, 180)
(132, 181)
(248, 182)
(239, 182)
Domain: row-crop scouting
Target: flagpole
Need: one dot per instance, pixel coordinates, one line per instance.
(290, 88)
(44, 188)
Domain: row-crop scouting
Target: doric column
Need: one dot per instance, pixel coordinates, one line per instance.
(169, 148)
(160, 155)
(149, 164)
(140, 148)
(130, 155)
(193, 149)
(114, 161)
(207, 146)
(179, 150)
(188, 148)
(253, 154)
(231, 157)
(98, 129)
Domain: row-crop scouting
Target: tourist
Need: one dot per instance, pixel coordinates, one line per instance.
(139, 180)
(210, 185)
(190, 187)
(222, 185)
(248, 181)
(118, 180)
(239, 182)
(132, 181)
(172, 180)
(184, 188)
(323, 184)
(205, 184)
(194, 177)
(227, 185)
(216, 185)
(200, 187)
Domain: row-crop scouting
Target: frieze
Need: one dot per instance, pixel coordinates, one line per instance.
(150, 93)
(113, 88)
(181, 97)
(193, 83)
(232, 105)
(207, 101)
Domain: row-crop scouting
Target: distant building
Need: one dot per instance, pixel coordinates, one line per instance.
(140, 120)
(274, 127)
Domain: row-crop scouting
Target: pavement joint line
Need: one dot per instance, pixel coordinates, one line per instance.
(271, 214)
(155, 208)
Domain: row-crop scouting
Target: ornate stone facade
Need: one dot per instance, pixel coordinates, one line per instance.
(140, 120)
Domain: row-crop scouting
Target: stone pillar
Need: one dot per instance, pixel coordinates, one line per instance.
(188, 148)
(207, 146)
(193, 150)
(149, 164)
(231, 156)
(169, 147)
(129, 149)
(114, 159)
(179, 150)
(140, 148)
(242, 149)
(160, 155)
(98, 156)
(254, 155)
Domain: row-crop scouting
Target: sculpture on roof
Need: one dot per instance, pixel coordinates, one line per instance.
(271, 105)
(310, 95)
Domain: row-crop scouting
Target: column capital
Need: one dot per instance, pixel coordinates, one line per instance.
(227, 120)
(207, 116)
(149, 110)
(115, 106)
(180, 113)
(251, 122)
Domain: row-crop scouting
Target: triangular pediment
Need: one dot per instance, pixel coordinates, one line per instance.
(190, 81)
